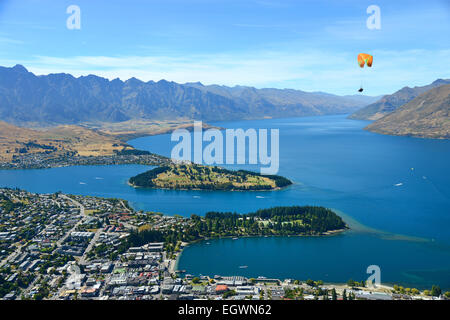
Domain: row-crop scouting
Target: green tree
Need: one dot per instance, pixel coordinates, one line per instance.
(350, 283)
(436, 291)
(415, 291)
(196, 280)
(333, 294)
(229, 294)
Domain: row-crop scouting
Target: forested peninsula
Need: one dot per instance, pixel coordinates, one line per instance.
(277, 221)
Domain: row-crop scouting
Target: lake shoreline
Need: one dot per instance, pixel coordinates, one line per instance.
(326, 234)
(210, 190)
(338, 165)
(174, 263)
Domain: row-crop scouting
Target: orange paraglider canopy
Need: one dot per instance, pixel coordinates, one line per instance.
(364, 58)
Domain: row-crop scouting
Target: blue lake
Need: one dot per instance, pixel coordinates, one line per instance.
(395, 188)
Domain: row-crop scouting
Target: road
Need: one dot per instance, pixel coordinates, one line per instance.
(14, 254)
(90, 246)
(74, 228)
(125, 224)
(26, 291)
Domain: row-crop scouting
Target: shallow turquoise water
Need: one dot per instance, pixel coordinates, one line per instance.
(334, 163)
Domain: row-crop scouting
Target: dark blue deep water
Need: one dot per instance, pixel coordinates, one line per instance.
(394, 192)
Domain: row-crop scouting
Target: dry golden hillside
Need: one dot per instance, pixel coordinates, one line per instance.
(85, 142)
(91, 139)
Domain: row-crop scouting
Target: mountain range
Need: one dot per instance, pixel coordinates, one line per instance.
(46, 100)
(425, 116)
(390, 103)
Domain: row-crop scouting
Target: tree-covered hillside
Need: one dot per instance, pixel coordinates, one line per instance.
(193, 176)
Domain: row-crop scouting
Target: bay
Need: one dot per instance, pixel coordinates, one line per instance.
(394, 190)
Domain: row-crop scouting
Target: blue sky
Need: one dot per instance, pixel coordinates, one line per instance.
(307, 45)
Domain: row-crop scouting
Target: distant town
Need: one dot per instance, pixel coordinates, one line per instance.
(41, 160)
(58, 246)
